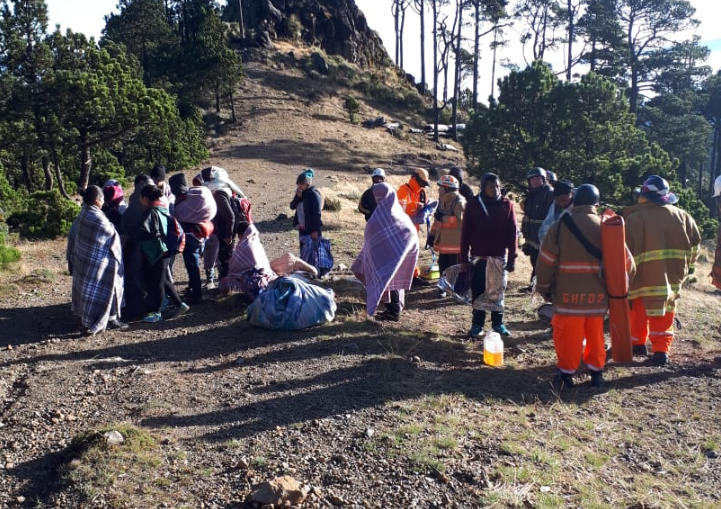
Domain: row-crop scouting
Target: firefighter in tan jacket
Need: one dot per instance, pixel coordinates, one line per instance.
(445, 234)
(664, 241)
(569, 273)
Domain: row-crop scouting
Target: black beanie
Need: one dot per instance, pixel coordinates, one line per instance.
(458, 173)
(158, 172)
(562, 187)
(178, 184)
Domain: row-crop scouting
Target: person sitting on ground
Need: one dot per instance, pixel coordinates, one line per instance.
(570, 276)
(445, 234)
(413, 197)
(249, 268)
(114, 204)
(562, 203)
(464, 189)
(489, 232)
(95, 261)
(194, 209)
(367, 202)
(389, 255)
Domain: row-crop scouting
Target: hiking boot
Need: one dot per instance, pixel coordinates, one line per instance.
(152, 318)
(194, 297)
(640, 351)
(117, 324)
(565, 380)
(659, 359)
(389, 316)
(179, 310)
(596, 378)
(476, 331)
(166, 305)
(501, 329)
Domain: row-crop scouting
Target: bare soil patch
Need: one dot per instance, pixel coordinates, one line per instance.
(369, 415)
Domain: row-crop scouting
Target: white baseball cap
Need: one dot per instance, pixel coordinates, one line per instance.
(379, 172)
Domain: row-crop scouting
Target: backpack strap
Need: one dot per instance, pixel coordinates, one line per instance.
(590, 248)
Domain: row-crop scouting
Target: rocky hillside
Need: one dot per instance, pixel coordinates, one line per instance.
(336, 26)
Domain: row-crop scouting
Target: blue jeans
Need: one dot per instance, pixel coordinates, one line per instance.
(191, 257)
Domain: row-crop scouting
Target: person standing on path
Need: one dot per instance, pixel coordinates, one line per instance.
(95, 261)
(535, 205)
(664, 241)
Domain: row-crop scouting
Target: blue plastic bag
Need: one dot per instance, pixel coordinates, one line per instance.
(291, 303)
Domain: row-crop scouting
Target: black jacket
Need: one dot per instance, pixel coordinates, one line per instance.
(311, 201)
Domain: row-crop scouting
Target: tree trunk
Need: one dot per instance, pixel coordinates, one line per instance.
(47, 172)
(232, 108)
(396, 26)
(400, 35)
(633, 92)
(58, 174)
(493, 68)
(457, 77)
(240, 16)
(86, 162)
(423, 46)
(27, 178)
(436, 113)
(569, 4)
(476, 51)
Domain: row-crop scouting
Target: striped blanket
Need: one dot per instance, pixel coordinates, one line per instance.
(95, 259)
(249, 257)
(390, 249)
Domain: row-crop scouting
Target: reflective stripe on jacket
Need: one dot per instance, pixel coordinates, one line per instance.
(664, 241)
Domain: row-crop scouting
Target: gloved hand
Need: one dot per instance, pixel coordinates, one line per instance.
(510, 267)
(438, 215)
(527, 249)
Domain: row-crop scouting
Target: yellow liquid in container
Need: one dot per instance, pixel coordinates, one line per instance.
(493, 349)
(493, 359)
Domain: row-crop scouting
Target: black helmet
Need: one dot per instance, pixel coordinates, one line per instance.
(537, 172)
(586, 194)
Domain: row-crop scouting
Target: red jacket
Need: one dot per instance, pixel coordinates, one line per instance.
(492, 234)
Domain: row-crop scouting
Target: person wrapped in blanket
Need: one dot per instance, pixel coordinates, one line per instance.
(489, 232)
(95, 261)
(219, 246)
(389, 255)
(194, 209)
(249, 269)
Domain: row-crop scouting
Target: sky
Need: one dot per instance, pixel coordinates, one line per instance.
(87, 16)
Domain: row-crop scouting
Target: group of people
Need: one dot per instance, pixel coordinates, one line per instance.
(121, 255)
(561, 231)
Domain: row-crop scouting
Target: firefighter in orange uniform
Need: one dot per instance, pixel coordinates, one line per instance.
(664, 241)
(413, 196)
(569, 265)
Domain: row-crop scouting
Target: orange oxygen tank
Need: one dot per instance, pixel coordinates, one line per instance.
(613, 244)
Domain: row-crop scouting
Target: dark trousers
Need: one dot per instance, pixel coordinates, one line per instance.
(533, 254)
(134, 287)
(446, 260)
(225, 253)
(191, 257)
(478, 287)
(157, 285)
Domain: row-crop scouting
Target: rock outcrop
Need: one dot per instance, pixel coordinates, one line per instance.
(337, 26)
